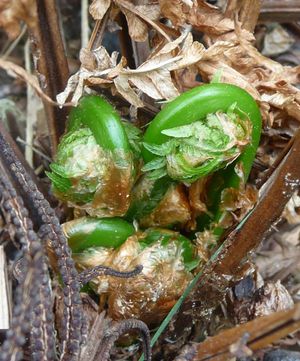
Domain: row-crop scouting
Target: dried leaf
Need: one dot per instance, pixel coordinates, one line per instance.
(87, 59)
(282, 95)
(98, 8)
(136, 16)
(236, 203)
(104, 60)
(138, 29)
(153, 77)
(243, 65)
(175, 10)
(209, 19)
(123, 87)
(13, 12)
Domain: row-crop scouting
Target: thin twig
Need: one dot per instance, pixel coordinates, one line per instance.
(31, 111)
(5, 294)
(34, 149)
(261, 332)
(89, 274)
(6, 52)
(84, 23)
(115, 332)
(52, 66)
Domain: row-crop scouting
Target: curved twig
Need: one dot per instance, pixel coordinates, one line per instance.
(88, 274)
(114, 332)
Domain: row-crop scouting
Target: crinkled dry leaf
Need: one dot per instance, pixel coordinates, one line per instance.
(266, 80)
(87, 59)
(13, 12)
(269, 263)
(176, 10)
(282, 95)
(258, 299)
(98, 8)
(153, 77)
(237, 203)
(209, 19)
(137, 16)
(138, 29)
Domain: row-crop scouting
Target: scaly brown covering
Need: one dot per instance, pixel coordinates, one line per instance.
(148, 296)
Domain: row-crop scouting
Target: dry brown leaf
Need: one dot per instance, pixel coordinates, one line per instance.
(153, 77)
(266, 80)
(176, 10)
(124, 88)
(98, 8)
(87, 59)
(138, 29)
(209, 19)
(282, 95)
(13, 12)
(256, 299)
(174, 208)
(270, 263)
(236, 203)
(137, 17)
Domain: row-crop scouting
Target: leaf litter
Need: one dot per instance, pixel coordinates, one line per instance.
(226, 47)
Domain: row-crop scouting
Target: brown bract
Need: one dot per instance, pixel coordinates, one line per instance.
(113, 196)
(173, 209)
(151, 294)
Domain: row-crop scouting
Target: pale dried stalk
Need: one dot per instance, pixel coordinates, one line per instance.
(30, 111)
(5, 294)
(84, 23)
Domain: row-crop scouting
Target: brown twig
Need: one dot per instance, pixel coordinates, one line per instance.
(284, 182)
(260, 333)
(116, 331)
(89, 274)
(52, 66)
